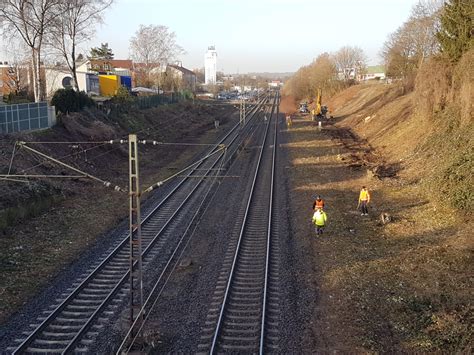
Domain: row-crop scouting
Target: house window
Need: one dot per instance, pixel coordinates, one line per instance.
(96, 66)
(67, 82)
(106, 67)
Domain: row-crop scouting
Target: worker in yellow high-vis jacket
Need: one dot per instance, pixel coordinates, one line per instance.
(319, 220)
(364, 200)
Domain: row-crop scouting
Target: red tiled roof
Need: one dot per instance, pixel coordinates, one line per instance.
(182, 69)
(121, 63)
(115, 63)
(143, 65)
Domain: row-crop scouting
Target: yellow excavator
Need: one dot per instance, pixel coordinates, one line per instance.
(320, 111)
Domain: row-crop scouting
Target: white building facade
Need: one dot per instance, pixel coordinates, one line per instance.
(210, 66)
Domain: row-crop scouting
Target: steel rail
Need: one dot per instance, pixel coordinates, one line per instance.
(240, 239)
(78, 336)
(163, 272)
(168, 264)
(269, 237)
(30, 339)
(86, 326)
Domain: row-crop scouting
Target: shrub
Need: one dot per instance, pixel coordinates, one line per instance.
(21, 97)
(458, 181)
(452, 153)
(122, 96)
(187, 94)
(68, 100)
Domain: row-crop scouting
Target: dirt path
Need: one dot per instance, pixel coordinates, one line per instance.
(317, 168)
(375, 287)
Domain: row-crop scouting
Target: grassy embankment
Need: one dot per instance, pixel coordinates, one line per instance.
(405, 285)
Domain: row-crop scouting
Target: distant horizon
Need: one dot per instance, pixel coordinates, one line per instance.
(258, 36)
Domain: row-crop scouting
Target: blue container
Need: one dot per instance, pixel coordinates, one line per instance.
(92, 84)
(126, 81)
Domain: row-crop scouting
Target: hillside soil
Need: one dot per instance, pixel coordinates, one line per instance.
(46, 224)
(401, 286)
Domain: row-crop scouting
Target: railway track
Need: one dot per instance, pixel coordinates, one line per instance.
(244, 313)
(77, 317)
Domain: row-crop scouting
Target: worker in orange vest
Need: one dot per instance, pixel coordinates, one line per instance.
(364, 199)
(318, 203)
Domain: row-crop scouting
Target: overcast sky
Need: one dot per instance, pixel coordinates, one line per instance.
(257, 35)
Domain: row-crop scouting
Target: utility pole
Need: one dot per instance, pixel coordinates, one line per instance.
(242, 105)
(242, 112)
(136, 274)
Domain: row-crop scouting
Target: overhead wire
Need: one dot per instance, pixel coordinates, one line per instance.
(160, 183)
(105, 183)
(44, 176)
(66, 156)
(11, 160)
(155, 300)
(172, 122)
(168, 124)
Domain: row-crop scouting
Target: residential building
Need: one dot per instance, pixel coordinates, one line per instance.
(275, 84)
(13, 78)
(373, 72)
(227, 78)
(186, 77)
(210, 66)
(144, 75)
(104, 77)
(110, 66)
(58, 77)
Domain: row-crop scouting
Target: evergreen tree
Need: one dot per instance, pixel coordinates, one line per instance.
(455, 34)
(102, 52)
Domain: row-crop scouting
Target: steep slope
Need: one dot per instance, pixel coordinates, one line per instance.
(401, 286)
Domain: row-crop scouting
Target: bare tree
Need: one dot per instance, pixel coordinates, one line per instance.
(199, 74)
(76, 25)
(152, 47)
(406, 48)
(16, 78)
(31, 20)
(320, 74)
(350, 61)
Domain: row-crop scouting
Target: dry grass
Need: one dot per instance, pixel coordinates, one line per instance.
(400, 287)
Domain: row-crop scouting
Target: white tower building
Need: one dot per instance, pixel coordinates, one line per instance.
(210, 65)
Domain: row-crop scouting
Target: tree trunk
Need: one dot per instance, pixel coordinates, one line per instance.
(76, 84)
(74, 67)
(74, 76)
(34, 74)
(39, 82)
